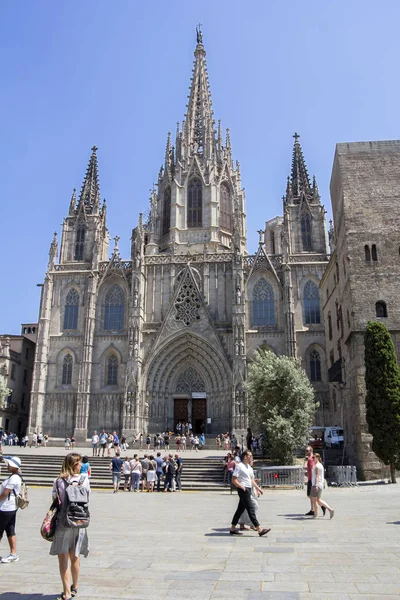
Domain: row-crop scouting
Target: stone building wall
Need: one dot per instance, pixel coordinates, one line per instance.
(365, 191)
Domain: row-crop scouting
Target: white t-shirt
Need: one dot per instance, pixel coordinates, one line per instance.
(127, 467)
(12, 483)
(95, 439)
(244, 473)
(320, 470)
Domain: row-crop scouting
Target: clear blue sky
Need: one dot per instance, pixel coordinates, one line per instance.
(116, 74)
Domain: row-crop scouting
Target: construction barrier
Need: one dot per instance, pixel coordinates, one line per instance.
(281, 476)
(345, 476)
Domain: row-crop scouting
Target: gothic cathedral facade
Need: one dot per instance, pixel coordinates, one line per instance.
(137, 345)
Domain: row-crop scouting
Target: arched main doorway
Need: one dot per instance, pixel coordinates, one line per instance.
(189, 378)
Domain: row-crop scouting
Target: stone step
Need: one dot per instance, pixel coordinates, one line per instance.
(198, 474)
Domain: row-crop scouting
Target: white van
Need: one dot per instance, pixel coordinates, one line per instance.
(333, 437)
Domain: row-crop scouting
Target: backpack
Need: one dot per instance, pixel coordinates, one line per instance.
(21, 499)
(74, 511)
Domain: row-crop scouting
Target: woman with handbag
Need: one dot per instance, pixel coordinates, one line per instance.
(9, 491)
(69, 542)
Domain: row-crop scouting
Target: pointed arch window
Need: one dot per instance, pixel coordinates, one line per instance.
(166, 221)
(71, 310)
(225, 209)
(312, 315)
(306, 233)
(263, 304)
(67, 370)
(315, 366)
(112, 370)
(80, 241)
(195, 204)
(114, 309)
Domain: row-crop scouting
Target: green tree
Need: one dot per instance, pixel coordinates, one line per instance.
(382, 380)
(281, 403)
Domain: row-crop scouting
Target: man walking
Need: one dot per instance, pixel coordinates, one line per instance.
(178, 472)
(310, 465)
(243, 480)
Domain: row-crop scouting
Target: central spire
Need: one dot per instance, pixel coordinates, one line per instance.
(90, 192)
(198, 126)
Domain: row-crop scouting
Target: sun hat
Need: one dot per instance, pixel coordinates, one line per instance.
(13, 461)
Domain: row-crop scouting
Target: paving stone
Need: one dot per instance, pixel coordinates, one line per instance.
(274, 550)
(193, 575)
(273, 596)
(297, 540)
(153, 560)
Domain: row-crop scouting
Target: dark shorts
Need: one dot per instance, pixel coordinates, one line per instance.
(127, 477)
(309, 486)
(7, 522)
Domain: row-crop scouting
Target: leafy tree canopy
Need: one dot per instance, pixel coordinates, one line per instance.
(281, 403)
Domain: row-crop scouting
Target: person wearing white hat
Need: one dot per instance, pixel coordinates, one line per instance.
(9, 490)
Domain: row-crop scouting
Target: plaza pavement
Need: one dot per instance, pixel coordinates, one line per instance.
(177, 546)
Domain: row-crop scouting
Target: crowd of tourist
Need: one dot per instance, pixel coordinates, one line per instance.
(108, 444)
(151, 473)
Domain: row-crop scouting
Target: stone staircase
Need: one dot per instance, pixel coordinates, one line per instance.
(199, 474)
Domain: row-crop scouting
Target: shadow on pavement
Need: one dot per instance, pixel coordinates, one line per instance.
(17, 596)
(387, 523)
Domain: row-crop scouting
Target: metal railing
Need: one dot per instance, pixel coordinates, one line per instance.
(343, 476)
(281, 476)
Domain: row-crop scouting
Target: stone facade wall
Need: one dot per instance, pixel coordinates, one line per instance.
(365, 191)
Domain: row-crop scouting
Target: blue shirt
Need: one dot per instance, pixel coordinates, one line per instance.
(85, 467)
(159, 462)
(117, 465)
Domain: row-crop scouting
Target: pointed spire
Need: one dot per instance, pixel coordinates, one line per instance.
(299, 178)
(198, 125)
(315, 191)
(219, 139)
(288, 190)
(53, 252)
(167, 161)
(72, 204)
(90, 192)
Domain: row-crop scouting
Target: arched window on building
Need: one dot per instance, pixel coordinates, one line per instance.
(381, 309)
(71, 310)
(114, 308)
(195, 203)
(315, 366)
(306, 232)
(263, 304)
(367, 253)
(374, 252)
(67, 370)
(80, 241)
(112, 370)
(312, 314)
(166, 220)
(225, 209)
